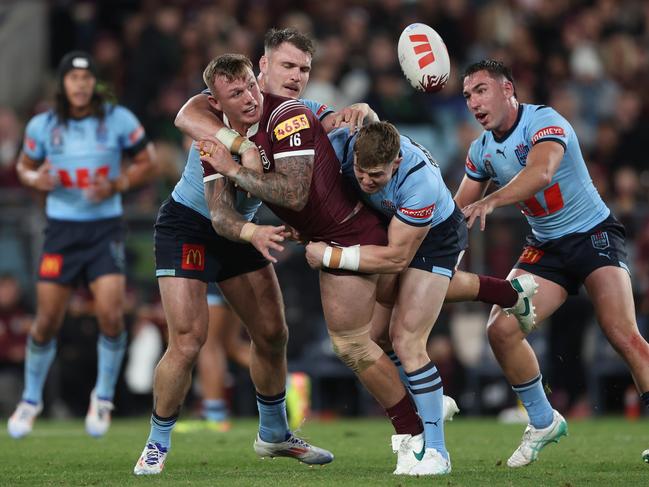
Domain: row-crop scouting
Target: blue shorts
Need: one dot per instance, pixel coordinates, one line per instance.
(186, 245)
(443, 247)
(569, 260)
(78, 252)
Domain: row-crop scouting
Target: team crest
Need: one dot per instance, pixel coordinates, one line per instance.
(388, 205)
(521, 152)
(56, 139)
(600, 240)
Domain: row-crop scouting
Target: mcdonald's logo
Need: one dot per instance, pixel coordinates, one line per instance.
(51, 265)
(530, 255)
(193, 257)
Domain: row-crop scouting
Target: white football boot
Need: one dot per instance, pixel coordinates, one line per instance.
(22, 420)
(534, 440)
(433, 463)
(152, 460)
(526, 287)
(293, 447)
(98, 416)
(409, 449)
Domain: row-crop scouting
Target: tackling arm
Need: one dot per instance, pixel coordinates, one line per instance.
(197, 119)
(34, 176)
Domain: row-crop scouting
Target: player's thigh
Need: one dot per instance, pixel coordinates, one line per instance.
(549, 297)
(419, 301)
(52, 301)
(185, 306)
(347, 299)
(610, 291)
(109, 292)
(257, 299)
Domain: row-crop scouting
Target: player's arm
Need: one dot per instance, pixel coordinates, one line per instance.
(542, 162)
(353, 116)
(288, 186)
(35, 174)
(220, 196)
(197, 119)
(141, 170)
(470, 191)
(403, 242)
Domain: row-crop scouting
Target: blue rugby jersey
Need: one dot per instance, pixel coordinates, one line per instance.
(79, 151)
(570, 203)
(416, 194)
(190, 190)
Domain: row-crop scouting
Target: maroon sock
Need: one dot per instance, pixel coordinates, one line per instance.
(404, 417)
(496, 291)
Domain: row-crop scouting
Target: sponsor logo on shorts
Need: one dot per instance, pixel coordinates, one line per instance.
(420, 213)
(600, 240)
(51, 265)
(469, 164)
(291, 126)
(547, 131)
(530, 255)
(193, 257)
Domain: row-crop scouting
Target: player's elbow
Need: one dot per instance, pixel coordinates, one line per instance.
(398, 263)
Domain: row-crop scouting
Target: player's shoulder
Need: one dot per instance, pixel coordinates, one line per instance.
(480, 143)
(280, 107)
(42, 120)
(115, 110)
(532, 113)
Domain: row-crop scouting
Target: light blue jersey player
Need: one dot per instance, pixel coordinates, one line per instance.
(74, 153)
(532, 155)
(79, 152)
(569, 203)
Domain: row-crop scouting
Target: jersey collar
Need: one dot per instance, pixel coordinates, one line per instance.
(513, 127)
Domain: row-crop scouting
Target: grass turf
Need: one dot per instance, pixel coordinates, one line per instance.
(596, 452)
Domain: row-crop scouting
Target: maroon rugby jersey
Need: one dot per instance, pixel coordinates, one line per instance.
(288, 129)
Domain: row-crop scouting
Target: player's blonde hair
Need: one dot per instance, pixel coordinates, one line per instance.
(377, 144)
(231, 66)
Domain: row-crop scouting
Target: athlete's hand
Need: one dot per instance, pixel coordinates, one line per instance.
(351, 116)
(314, 254)
(479, 209)
(291, 233)
(219, 157)
(265, 238)
(41, 178)
(99, 189)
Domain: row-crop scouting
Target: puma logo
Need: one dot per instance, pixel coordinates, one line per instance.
(605, 254)
(433, 422)
(502, 153)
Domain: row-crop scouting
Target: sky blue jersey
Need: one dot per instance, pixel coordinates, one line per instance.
(570, 203)
(190, 191)
(416, 194)
(79, 151)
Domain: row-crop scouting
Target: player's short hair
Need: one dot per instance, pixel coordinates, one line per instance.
(495, 68)
(377, 144)
(276, 37)
(231, 66)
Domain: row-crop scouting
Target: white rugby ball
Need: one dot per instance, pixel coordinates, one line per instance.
(423, 58)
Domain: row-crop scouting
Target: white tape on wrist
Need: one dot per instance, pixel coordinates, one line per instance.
(235, 143)
(348, 258)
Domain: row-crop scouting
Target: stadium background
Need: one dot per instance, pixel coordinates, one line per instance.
(588, 59)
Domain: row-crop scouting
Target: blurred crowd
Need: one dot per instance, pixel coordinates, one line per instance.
(587, 59)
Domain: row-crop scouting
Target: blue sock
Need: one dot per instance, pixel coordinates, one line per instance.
(214, 409)
(397, 364)
(161, 430)
(37, 364)
(536, 403)
(425, 385)
(110, 353)
(273, 425)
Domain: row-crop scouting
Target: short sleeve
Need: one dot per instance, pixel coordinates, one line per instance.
(34, 141)
(546, 124)
(320, 110)
(130, 130)
(292, 129)
(473, 165)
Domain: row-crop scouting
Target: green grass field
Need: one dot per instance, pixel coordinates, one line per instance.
(596, 452)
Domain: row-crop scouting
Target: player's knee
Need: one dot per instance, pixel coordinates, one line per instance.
(111, 321)
(271, 341)
(500, 335)
(355, 348)
(44, 328)
(186, 346)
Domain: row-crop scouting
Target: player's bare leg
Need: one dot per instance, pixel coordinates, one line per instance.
(185, 306)
(419, 301)
(52, 301)
(521, 368)
(109, 292)
(257, 299)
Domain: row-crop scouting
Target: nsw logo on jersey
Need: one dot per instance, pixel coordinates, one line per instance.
(521, 152)
(291, 126)
(419, 213)
(546, 132)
